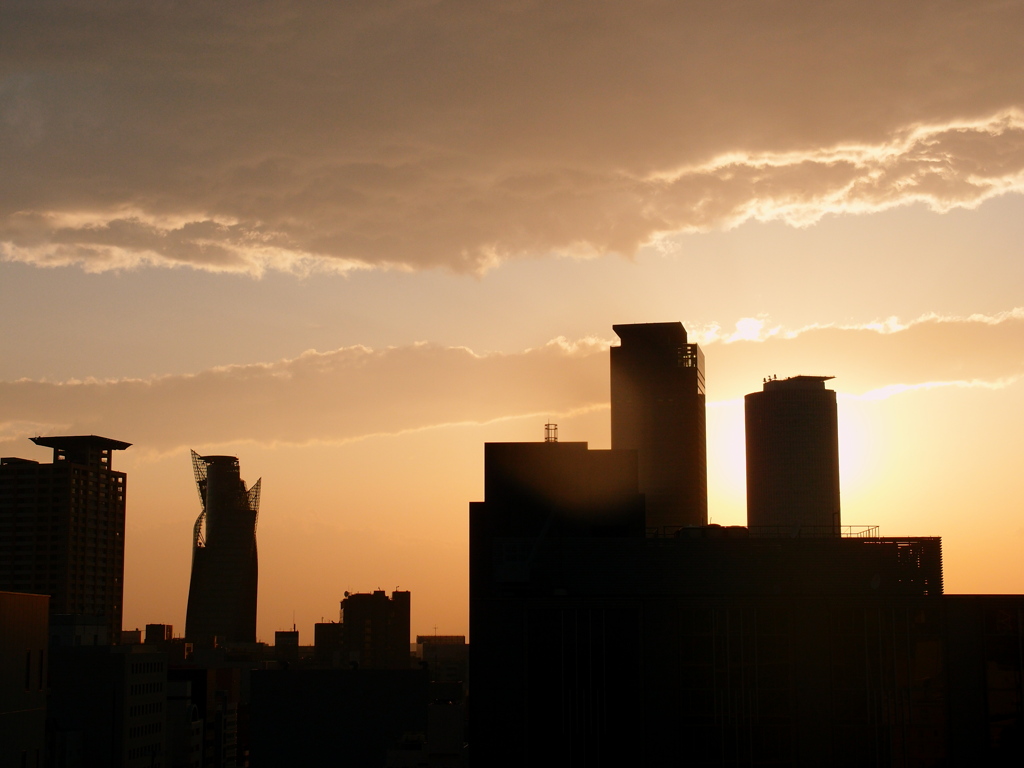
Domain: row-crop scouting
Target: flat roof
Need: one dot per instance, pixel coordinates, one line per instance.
(651, 333)
(80, 441)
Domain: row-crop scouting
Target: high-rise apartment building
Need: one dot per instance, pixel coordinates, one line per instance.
(62, 528)
(222, 591)
(657, 396)
(793, 456)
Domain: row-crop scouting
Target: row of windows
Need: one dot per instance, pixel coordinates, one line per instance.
(34, 514)
(141, 688)
(152, 708)
(59, 492)
(145, 730)
(149, 749)
(147, 666)
(28, 542)
(49, 478)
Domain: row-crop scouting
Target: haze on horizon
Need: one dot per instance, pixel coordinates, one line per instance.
(350, 243)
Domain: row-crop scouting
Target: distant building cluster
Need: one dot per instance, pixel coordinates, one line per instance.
(77, 690)
(611, 624)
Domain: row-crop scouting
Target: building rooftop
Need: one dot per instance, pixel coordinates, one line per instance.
(71, 442)
(797, 382)
(652, 334)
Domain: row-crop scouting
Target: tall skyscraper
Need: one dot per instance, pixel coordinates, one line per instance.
(62, 528)
(657, 394)
(222, 592)
(793, 455)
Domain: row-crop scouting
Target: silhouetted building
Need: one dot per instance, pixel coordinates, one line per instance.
(334, 716)
(184, 727)
(657, 399)
(222, 591)
(23, 678)
(286, 646)
(157, 634)
(62, 528)
(373, 633)
(218, 688)
(376, 630)
(328, 644)
(132, 636)
(984, 663)
(595, 644)
(107, 707)
(793, 455)
(446, 656)
(72, 630)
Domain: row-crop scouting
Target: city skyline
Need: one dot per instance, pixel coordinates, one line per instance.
(452, 206)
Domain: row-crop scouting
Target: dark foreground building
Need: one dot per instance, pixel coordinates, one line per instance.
(23, 678)
(792, 439)
(601, 641)
(595, 644)
(107, 707)
(62, 528)
(657, 396)
(222, 592)
(335, 716)
(373, 632)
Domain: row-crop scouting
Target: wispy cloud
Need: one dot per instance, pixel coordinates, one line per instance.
(927, 351)
(355, 392)
(416, 133)
(884, 393)
(345, 394)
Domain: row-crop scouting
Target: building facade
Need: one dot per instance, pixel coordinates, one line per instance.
(372, 632)
(107, 707)
(62, 528)
(23, 678)
(792, 439)
(657, 399)
(223, 588)
(597, 643)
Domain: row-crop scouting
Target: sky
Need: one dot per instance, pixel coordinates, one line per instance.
(349, 243)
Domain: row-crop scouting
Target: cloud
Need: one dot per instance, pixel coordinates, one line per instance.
(341, 395)
(355, 392)
(416, 133)
(927, 352)
(884, 393)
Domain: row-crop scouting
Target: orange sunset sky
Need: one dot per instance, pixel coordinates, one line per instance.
(351, 242)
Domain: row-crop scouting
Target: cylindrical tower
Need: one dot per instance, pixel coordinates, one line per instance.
(793, 457)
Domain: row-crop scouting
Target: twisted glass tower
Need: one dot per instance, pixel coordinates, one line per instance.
(222, 591)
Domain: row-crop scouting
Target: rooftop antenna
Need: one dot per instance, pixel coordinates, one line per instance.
(550, 433)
